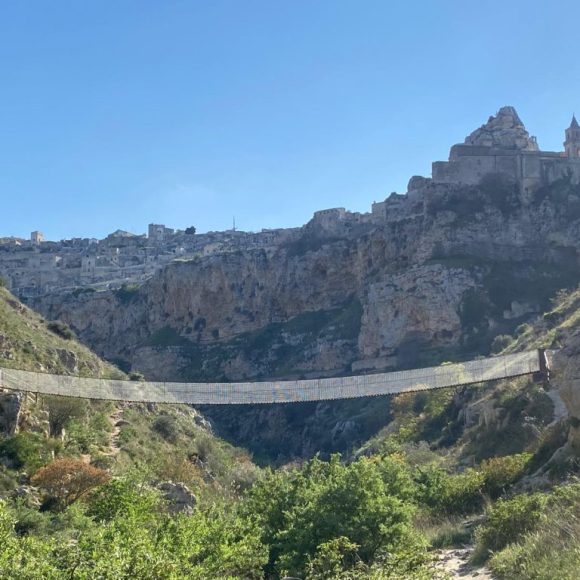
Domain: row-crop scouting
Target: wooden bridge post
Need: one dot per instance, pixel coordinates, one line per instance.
(544, 373)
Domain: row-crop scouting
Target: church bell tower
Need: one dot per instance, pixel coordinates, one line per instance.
(572, 143)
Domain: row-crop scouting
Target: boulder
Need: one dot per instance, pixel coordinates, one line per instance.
(179, 497)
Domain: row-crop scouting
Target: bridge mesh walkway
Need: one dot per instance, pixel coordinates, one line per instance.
(475, 371)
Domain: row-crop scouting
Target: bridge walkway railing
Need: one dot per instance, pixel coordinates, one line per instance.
(240, 393)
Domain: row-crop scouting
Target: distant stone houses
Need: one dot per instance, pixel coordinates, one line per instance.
(502, 146)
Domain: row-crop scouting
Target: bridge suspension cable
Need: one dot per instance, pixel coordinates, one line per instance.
(241, 393)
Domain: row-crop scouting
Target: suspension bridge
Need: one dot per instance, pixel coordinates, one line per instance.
(536, 362)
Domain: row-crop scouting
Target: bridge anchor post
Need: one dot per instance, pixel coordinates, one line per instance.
(543, 375)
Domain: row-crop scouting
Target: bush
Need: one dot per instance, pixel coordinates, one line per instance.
(551, 549)
(122, 498)
(507, 521)
(67, 480)
(430, 486)
(61, 329)
(501, 342)
(166, 426)
(332, 558)
(463, 493)
(27, 451)
(303, 511)
(522, 329)
(501, 472)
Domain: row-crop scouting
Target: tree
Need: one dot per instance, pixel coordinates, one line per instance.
(61, 410)
(190, 231)
(67, 480)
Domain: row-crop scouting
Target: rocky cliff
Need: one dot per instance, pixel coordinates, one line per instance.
(453, 267)
(459, 266)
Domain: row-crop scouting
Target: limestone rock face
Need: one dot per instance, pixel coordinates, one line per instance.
(460, 264)
(505, 130)
(10, 409)
(433, 276)
(421, 305)
(566, 381)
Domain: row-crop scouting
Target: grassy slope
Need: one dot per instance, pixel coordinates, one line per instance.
(172, 441)
(551, 329)
(27, 343)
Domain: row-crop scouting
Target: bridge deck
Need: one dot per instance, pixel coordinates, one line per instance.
(475, 371)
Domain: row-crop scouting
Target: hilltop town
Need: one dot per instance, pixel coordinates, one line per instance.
(501, 147)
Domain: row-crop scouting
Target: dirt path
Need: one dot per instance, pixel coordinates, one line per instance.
(116, 420)
(455, 563)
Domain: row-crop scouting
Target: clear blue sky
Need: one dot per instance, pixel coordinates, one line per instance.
(117, 113)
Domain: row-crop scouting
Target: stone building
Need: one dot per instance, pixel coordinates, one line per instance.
(501, 146)
(504, 146)
(37, 238)
(572, 143)
(158, 233)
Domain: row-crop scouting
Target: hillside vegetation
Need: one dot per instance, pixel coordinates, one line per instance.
(93, 489)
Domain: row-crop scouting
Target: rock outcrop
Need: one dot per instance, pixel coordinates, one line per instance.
(10, 408)
(566, 382)
(504, 130)
(179, 498)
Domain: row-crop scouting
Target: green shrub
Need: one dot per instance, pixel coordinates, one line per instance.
(332, 558)
(61, 329)
(144, 544)
(166, 426)
(501, 472)
(507, 521)
(467, 492)
(63, 410)
(463, 493)
(431, 486)
(302, 510)
(126, 435)
(522, 329)
(123, 497)
(501, 342)
(551, 549)
(28, 451)
(28, 520)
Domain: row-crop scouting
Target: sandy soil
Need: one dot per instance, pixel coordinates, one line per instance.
(455, 562)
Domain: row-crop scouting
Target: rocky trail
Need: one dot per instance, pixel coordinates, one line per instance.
(116, 420)
(454, 563)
